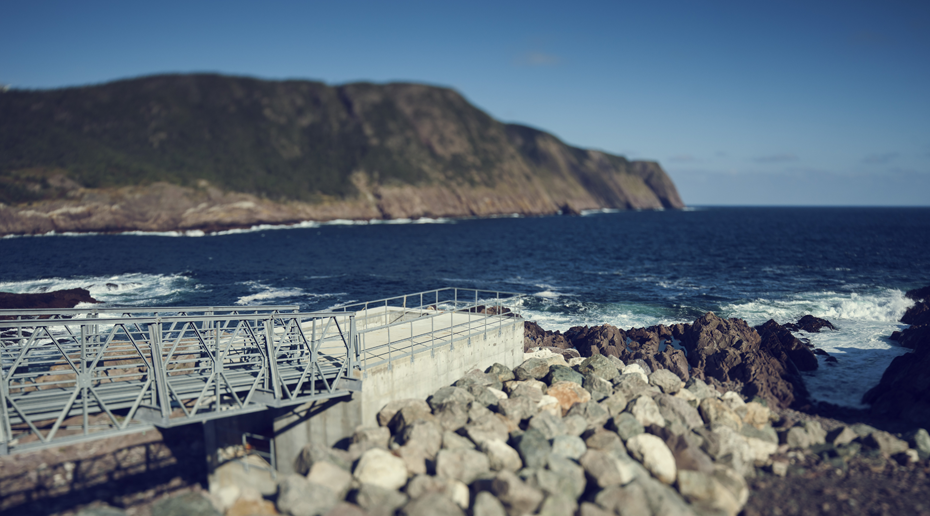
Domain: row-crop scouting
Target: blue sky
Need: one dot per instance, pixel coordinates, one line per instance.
(745, 103)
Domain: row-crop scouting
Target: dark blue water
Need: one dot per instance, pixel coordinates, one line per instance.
(850, 265)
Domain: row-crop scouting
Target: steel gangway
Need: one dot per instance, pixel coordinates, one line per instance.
(82, 374)
(75, 375)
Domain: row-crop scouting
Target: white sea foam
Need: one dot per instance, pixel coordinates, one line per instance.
(262, 294)
(123, 290)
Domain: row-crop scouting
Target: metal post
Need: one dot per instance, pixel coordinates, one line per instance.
(161, 379)
(83, 374)
(352, 352)
(272, 359)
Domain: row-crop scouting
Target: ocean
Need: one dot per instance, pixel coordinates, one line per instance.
(629, 269)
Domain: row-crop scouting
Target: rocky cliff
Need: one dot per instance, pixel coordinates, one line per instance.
(209, 151)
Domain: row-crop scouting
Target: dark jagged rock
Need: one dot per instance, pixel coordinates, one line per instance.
(777, 339)
(56, 299)
(598, 340)
(536, 337)
(812, 324)
(904, 390)
(919, 294)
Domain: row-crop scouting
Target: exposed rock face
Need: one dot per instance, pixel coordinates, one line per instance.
(208, 152)
(904, 390)
(56, 299)
(764, 361)
(534, 336)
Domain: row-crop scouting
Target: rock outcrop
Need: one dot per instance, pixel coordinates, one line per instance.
(207, 152)
(764, 361)
(904, 390)
(55, 299)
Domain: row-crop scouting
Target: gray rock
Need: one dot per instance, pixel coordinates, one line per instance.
(451, 415)
(663, 499)
(765, 434)
(314, 452)
(605, 441)
(422, 485)
(447, 394)
(432, 504)
(652, 453)
(477, 412)
(557, 506)
(483, 394)
(886, 443)
(605, 470)
(513, 385)
(630, 386)
(615, 403)
(476, 377)
(667, 381)
(386, 414)
(534, 448)
(574, 424)
(841, 436)
(532, 369)
(187, 504)
(487, 428)
(733, 482)
(594, 415)
(501, 456)
(600, 366)
(626, 425)
(550, 425)
(559, 373)
(716, 413)
(796, 438)
(597, 386)
(297, 496)
(625, 501)
(462, 465)
(707, 493)
(919, 440)
(378, 501)
(381, 468)
(816, 432)
(571, 476)
(377, 435)
(590, 509)
(525, 390)
(426, 435)
(518, 497)
(410, 414)
(645, 410)
(454, 441)
(569, 446)
(501, 372)
(732, 451)
(677, 410)
(688, 454)
(343, 509)
(486, 504)
(518, 408)
(331, 477)
(700, 389)
(414, 457)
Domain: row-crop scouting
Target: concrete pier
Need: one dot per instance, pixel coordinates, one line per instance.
(405, 354)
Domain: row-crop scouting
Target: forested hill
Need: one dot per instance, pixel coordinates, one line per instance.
(357, 150)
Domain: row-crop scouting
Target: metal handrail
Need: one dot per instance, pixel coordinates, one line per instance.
(116, 375)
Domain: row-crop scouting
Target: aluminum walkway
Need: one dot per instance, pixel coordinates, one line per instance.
(82, 374)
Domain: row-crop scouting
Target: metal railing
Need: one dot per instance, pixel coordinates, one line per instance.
(400, 327)
(76, 375)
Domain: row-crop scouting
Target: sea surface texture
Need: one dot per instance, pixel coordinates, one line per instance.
(629, 269)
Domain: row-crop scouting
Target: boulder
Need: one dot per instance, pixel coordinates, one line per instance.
(381, 468)
(501, 372)
(598, 340)
(605, 470)
(568, 446)
(626, 425)
(645, 410)
(463, 465)
(569, 393)
(501, 456)
(636, 369)
(517, 496)
(532, 369)
(313, 452)
(332, 477)
(563, 373)
(297, 496)
(432, 504)
(425, 435)
(535, 336)
(486, 504)
(488, 427)
(597, 386)
(652, 452)
(447, 394)
(615, 404)
(716, 413)
(600, 366)
(386, 414)
(454, 441)
(667, 381)
(534, 448)
(56, 299)
(569, 477)
(678, 411)
(377, 500)
(451, 415)
(919, 440)
(408, 414)
(594, 415)
(518, 408)
(550, 426)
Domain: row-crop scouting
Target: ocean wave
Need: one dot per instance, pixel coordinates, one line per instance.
(886, 305)
(133, 289)
(262, 293)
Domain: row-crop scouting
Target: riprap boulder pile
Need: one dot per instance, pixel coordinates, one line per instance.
(588, 436)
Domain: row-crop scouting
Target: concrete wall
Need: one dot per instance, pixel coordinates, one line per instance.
(330, 421)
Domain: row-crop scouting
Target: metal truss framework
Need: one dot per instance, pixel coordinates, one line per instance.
(75, 375)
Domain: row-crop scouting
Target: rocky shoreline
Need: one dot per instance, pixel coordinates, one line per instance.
(728, 431)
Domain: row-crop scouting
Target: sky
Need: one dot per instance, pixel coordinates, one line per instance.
(742, 102)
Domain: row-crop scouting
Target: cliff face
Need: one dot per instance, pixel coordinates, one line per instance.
(208, 151)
